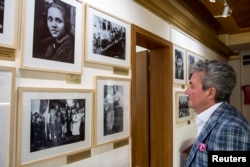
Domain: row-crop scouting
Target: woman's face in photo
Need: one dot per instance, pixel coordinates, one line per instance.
(56, 22)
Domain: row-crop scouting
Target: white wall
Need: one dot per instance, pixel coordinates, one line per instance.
(245, 81)
(236, 93)
(237, 97)
(184, 133)
(106, 156)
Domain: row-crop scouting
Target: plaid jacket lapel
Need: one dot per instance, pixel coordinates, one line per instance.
(204, 132)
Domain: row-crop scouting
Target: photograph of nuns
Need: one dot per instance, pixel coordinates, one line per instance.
(113, 109)
(54, 31)
(108, 38)
(56, 122)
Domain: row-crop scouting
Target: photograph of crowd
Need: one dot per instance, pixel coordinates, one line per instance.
(113, 109)
(183, 107)
(56, 122)
(109, 39)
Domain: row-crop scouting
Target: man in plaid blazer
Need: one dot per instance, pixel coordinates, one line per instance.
(220, 126)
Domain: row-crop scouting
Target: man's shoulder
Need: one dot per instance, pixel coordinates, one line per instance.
(230, 116)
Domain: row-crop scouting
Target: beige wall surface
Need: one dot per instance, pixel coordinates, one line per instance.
(106, 156)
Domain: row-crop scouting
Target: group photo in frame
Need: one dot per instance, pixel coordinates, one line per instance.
(7, 116)
(53, 122)
(107, 38)
(52, 36)
(179, 65)
(183, 112)
(112, 113)
(9, 10)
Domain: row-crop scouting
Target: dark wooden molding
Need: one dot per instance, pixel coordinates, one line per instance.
(175, 14)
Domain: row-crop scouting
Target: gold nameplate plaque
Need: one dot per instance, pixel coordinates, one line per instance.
(7, 54)
(120, 71)
(78, 156)
(73, 79)
(120, 143)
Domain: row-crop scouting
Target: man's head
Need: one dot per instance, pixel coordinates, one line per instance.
(210, 82)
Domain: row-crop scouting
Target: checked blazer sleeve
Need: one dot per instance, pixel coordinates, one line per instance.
(226, 130)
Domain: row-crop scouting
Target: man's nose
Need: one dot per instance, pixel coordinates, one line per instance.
(187, 90)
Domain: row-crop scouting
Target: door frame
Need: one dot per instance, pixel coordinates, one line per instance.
(160, 132)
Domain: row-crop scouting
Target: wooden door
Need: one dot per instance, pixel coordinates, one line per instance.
(151, 105)
(141, 96)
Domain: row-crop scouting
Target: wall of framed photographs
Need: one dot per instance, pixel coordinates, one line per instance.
(81, 81)
(184, 116)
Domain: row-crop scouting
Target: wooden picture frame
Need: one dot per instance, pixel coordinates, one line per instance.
(7, 116)
(191, 58)
(183, 112)
(112, 113)
(64, 117)
(179, 65)
(8, 23)
(46, 47)
(107, 38)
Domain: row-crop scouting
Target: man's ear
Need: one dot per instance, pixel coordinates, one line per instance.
(212, 93)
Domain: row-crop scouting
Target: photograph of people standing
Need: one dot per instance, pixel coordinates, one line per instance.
(54, 36)
(56, 122)
(113, 109)
(108, 38)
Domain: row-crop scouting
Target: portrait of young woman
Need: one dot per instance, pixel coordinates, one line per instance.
(54, 34)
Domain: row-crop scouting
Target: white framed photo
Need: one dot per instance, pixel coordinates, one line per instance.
(7, 116)
(191, 59)
(112, 115)
(107, 38)
(179, 65)
(52, 36)
(9, 10)
(183, 112)
(53, 122)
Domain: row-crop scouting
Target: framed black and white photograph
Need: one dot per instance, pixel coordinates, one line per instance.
(179, 65)
(200, 58)
(53, 122)
(52, 36)
(183, 112)
(107, 38)
(112, 109)
(8, 23)
(191, 59)
(7, 116)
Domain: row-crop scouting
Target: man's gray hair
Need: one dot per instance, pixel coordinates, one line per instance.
(218, 75)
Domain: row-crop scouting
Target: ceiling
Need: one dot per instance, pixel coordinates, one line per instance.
(202, 20)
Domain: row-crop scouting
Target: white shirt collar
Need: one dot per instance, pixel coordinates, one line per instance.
(202, 118)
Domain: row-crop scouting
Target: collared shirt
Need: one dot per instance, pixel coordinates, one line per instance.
(202, 118)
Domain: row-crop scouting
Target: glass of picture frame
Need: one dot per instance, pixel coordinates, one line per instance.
(45, 47)
(179, 65)
(7, 116)
(8, 23)
(107, 38)
(112, 113)
(191, 59)
(53, 122)
(183, 112)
